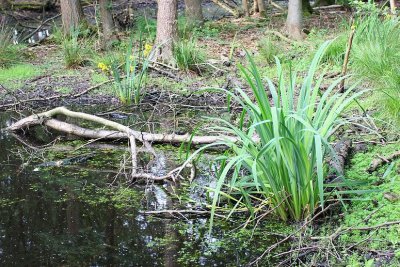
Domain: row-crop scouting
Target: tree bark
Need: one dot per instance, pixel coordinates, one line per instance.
(194, 12)
(261, 8)
(245, 6)
(255, 6)
(107, 23)
(72, 15)
(167, 28)
(294, 19)
(393, 6)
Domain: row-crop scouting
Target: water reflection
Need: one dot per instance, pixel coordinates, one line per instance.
(71, 217)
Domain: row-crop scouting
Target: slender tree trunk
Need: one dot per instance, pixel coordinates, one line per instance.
(393, 7)
(294, 19)
(167, 27)
(245, 5)
(107, 23)
(72, 15)
(255, 6)
(261, 8)
(194, 12)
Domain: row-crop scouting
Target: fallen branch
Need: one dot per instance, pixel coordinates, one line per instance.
(120, 131)
(376, 163)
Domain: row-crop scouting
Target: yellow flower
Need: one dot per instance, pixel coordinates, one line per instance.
(102, 66)
(131, 68)
(131, 57)
(353, 27)
(147, 49)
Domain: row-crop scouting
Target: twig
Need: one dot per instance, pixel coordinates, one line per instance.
(376, 163)
(268, 250)
(346, 57)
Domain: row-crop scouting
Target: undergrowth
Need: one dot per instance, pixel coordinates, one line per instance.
(376, 59)
(10, 54)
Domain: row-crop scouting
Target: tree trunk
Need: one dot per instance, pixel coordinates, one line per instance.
(194, 12)
(294, 19)
(393, 7)
(167, 27)
(255, 6)
(72, 15)
(107, 23)
(261, 8)
(245, 6)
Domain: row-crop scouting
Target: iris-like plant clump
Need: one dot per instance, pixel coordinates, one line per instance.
(283, 141)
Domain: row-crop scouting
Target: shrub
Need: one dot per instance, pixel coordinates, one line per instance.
(188, 55)
(285, 167)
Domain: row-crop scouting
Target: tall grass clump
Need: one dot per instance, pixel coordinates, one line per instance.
(282, 142)
(334, 54)
(73, 50)
(376, 58)
(129, 85)
(267, 50)
(10, 54)
(188, 55)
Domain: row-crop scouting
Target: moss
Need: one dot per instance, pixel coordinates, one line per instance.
(375, 208)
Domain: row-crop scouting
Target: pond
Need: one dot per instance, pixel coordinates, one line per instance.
(86, 214)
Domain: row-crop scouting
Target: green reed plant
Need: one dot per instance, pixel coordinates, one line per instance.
(188, 55)
(282, 141)
(129, 86)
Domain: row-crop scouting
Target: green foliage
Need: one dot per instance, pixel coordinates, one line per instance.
(335, 52)
(376, 207)
(376, 59)
(9, 53)
(267, 49)
(285, 167)
(188, 54)
(73, 49)
(129, 87)
(18, 72)
(146, 28)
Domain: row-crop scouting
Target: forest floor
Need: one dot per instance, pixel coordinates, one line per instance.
(343, 236)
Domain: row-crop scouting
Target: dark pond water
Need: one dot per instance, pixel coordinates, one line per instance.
(85, 215)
